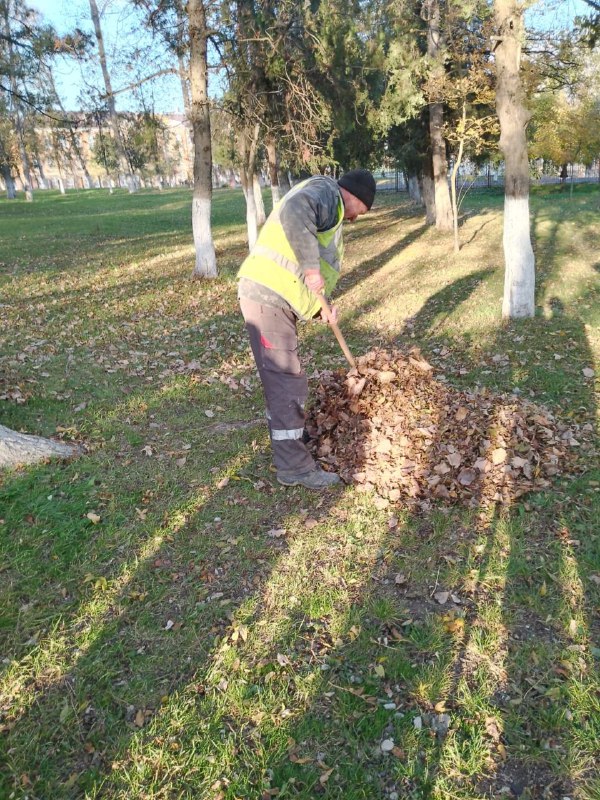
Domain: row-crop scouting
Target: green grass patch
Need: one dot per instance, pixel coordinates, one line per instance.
(158, 640)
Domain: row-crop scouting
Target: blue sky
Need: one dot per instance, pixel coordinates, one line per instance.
(117, 20)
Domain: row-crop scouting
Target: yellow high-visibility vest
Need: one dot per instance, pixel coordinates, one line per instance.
(273, 263)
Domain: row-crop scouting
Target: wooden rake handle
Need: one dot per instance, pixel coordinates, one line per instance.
(337, 331)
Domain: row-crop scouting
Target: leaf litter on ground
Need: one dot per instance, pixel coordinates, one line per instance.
(392, 427)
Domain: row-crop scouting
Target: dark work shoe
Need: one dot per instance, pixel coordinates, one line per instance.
(316, 479)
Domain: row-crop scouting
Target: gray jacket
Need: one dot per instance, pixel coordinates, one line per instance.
(311, 209)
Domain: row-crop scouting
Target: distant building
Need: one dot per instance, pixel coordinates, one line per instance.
(62, 154)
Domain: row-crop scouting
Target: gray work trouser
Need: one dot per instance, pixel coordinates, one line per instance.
(274, 343)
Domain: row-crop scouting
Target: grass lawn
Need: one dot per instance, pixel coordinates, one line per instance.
(175, 624)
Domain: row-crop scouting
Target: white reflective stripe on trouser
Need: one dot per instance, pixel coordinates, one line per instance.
(282, 435)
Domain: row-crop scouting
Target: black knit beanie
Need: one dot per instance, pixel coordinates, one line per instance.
(361, 184)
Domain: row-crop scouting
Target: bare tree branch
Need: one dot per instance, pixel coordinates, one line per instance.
(28, 102)
(166, 71)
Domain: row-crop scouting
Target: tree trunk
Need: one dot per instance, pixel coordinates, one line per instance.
(261, 217)
(61, 183)
(519, 277)
(248, 146)
(414, 189)
(75, 147)
(273, 170)
(251, 218)
(183, 70)
(428, 191)
(43, 181)
(18, 449)
(9, 181)
(110, 100)
(206, 260)
(185, 88)
(455, 169)
(284, 182)
(14, 106)
(443, 207)
(572, 179)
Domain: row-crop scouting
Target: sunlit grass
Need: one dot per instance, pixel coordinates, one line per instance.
(214, 635)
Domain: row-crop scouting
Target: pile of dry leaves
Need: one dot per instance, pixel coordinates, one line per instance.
(392, 427)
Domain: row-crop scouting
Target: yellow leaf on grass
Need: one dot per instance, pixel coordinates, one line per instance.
(297, 760)
(353, 633)
(325, 777)
(455, 625)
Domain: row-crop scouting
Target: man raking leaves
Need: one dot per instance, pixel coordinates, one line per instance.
(297, 257)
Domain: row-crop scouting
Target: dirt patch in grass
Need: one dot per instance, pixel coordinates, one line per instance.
(527, 781)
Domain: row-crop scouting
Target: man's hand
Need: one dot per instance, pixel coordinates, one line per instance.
(332, 318)
(314, 280)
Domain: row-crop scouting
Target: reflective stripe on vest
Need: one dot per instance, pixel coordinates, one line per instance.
(273, 263)
(282, 435)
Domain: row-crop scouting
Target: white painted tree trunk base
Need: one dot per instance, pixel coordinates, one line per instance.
(206, 259)
(20, 449)
(251, 222)
(261, 217)
(519, 277)
(252, 227)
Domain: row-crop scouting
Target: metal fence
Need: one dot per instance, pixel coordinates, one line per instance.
(395, 181)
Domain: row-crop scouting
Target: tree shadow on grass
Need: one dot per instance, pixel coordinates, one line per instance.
(100, 689)
(441, 305)
(97, 674)
(206, 709)
(368, 267)
(543, 734)
(126, 273)
(541, 615)
(475, 234)
(545, 250)
(88, 654)
(552, 546)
